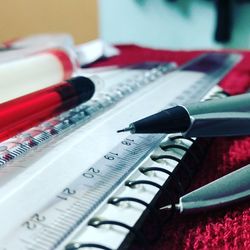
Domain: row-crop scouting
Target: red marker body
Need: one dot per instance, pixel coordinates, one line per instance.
(27, 111)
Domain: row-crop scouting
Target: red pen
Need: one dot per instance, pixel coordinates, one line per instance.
(34, 72)
(27, 111)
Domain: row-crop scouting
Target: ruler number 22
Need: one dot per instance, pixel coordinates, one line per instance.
(31, 224)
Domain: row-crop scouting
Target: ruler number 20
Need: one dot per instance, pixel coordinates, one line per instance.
(90, 173)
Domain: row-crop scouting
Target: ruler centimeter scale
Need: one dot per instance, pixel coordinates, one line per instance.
(48, 228)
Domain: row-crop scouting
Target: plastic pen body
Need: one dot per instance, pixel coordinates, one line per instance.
(226, 190)
(27, 111)
(237, 103)
(180, 118)
(32, 73)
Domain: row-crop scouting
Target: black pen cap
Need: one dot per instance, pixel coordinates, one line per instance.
(170, 120)
(83, 86)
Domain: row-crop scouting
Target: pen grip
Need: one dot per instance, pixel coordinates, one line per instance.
(226, 190)
(167, 121)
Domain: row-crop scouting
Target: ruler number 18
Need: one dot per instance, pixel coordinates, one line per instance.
(127, 142)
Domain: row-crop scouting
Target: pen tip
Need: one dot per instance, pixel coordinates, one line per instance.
(124, 130)
(169, 207)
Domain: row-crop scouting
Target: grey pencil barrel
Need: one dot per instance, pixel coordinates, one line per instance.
(219, 124)
(238, 103)
(226, 190)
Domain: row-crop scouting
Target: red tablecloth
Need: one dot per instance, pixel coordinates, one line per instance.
(226, 228)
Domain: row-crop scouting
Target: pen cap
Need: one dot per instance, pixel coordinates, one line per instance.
(167, 121)
(84, 87)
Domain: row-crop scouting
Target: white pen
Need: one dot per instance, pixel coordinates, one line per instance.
(224, 191)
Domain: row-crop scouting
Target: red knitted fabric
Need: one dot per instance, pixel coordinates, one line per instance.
(227, 228)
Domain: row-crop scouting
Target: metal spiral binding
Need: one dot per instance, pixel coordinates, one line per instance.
(22, 143)
(169, 173)
(185, 149)
(75, 246)
(97, 222)
(150, 208)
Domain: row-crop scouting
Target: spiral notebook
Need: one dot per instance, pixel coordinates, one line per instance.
(79, 185)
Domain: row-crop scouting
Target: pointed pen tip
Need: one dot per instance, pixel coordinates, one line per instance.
(123, 130)
(169, 207)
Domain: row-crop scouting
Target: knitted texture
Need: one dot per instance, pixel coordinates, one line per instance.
(225, 228)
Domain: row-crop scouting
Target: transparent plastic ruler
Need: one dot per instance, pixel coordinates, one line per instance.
(56, 220)
(48, 228)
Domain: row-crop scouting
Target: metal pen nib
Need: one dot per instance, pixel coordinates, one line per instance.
(169, 207)
(130, 128)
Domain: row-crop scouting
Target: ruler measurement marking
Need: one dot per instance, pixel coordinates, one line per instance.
(57, 225)
(59, 210)
(81, 205)
(80, 201)
(47, 238)
(67, 219)
(50, 228)
(38, 245)
(26, 242)
(62, 221)
(78, 209)
(71, 213)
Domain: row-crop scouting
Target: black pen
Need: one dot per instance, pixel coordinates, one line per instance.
(222, 117)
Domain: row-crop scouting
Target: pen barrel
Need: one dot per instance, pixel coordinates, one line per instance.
(219, 124)
(32, 73)
(27, 111)
(223, 191)
(170, 120)
(238, 103)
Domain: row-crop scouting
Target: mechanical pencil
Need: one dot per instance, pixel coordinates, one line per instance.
(225, 111)
(31, 73)
(224, 191)
(24, 112)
